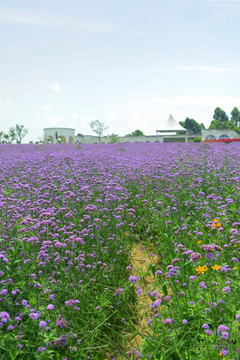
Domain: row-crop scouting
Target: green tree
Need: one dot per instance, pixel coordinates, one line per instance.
(17, 133)
(220, 115)
(98, 127)
(136, 133)
(235, 116)
(113, 138)
(228, 125)
(217, 124)
(3, 137)
(192, 126)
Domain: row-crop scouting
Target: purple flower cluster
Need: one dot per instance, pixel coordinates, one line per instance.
(68, 214)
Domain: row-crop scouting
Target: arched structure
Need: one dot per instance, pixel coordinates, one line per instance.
(57, 134)
(210, 137)
(50, 139)
(223, 136)
(212, 134)
(62, 139)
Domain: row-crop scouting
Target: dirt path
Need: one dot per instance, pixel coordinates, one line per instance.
(142, 259)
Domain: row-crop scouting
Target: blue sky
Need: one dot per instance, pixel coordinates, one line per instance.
(127, 63)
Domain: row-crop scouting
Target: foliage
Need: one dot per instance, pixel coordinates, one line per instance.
(113, 138)
(17, 133)
(221, 125)
(192, 126)
(4, 138)
(197, 140)
(221, 120)
(98, 127)
(136, 133)
(235, 117)
(220, 115)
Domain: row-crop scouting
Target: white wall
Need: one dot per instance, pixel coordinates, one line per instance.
(89, 139)
(67, 133)
(219, 132)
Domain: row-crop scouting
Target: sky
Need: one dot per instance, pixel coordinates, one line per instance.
(127, 63)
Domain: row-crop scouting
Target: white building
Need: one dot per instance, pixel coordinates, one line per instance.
(170, 131)
(171, 127)
(55, 135)
(215, 134)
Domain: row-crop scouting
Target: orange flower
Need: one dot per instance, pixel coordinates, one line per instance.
(216, 224)
(201, 269)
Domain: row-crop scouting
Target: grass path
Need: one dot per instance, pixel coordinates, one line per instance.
(142, 259)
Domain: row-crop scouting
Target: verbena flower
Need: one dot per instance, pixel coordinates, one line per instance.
(133, 279)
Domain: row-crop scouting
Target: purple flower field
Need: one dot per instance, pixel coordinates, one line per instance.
(69, 218)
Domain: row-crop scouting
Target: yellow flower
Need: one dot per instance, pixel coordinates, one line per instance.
(216, 267)
(126, 233)
(199, 242)
(201, 269)
(216, 224)
(235, 268)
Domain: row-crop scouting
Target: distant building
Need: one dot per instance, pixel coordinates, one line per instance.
(57, 134)
(171, 127)
(170, 131)
(215, 134)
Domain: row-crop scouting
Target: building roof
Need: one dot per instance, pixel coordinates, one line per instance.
(58, 128)
(171, 125)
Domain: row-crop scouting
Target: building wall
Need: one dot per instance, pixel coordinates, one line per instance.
(67, 135)
(218, 134)
(88, 139)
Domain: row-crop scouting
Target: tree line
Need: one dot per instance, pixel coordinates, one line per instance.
(220, 121)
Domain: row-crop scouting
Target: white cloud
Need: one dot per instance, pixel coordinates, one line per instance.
(55, 87)
(208, 68)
